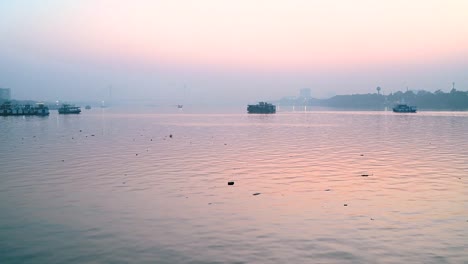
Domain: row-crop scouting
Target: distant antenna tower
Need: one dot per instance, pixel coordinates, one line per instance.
(110, 94)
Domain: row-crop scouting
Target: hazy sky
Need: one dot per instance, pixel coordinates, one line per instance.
(238, 50)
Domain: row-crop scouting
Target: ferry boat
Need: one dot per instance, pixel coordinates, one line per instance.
(7, 109)
(69, 109)
(42, 109)
(88, 107)
(404, 108)
(261, 108)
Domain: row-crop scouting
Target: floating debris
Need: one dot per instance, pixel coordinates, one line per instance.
(365, 175)
(136, 154)
(81, 130)
(362, 155)
(345, 205)
(327, 190)
(372, 219)
(256, 194)
(231, 183)
(170, 135)
(63, 160)
(92, 135)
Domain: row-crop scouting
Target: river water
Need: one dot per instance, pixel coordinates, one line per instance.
(150, 186)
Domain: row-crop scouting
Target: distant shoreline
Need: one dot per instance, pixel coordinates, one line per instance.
(423, 100)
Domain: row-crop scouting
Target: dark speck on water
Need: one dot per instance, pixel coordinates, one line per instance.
(256, 194)
(231, 183)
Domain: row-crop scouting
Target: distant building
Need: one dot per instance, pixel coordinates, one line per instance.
(5, 94)
(304, 93)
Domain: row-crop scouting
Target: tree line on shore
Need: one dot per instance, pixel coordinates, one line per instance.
(438, 100)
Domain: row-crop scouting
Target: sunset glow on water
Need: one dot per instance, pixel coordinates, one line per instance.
(334, 187)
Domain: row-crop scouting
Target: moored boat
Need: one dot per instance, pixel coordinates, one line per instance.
(8, 109)
(42, 109)
(69, 109)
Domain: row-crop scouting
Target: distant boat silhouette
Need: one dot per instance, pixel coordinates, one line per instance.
(404, 108)
(180, 106)
(69, 109)
(261, 108)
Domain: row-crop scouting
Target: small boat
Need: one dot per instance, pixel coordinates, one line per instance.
(261, 108)
(69, 109)
(180, 106)
(87, 107)
(404, 108)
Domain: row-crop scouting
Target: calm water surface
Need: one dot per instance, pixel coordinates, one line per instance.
(108, 186)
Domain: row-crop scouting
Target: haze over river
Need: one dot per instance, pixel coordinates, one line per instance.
(150, 186)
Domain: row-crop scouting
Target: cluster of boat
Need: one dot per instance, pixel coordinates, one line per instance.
(7, 109)
(267, 108)
(39, 109)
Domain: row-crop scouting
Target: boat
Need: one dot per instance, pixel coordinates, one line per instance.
(261, 108)
(8, 109)
(42, 109)
(87, 107)
(69, 109)
(404, 108)
(180, 106)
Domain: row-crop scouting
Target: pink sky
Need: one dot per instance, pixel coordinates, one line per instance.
(279, 36)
